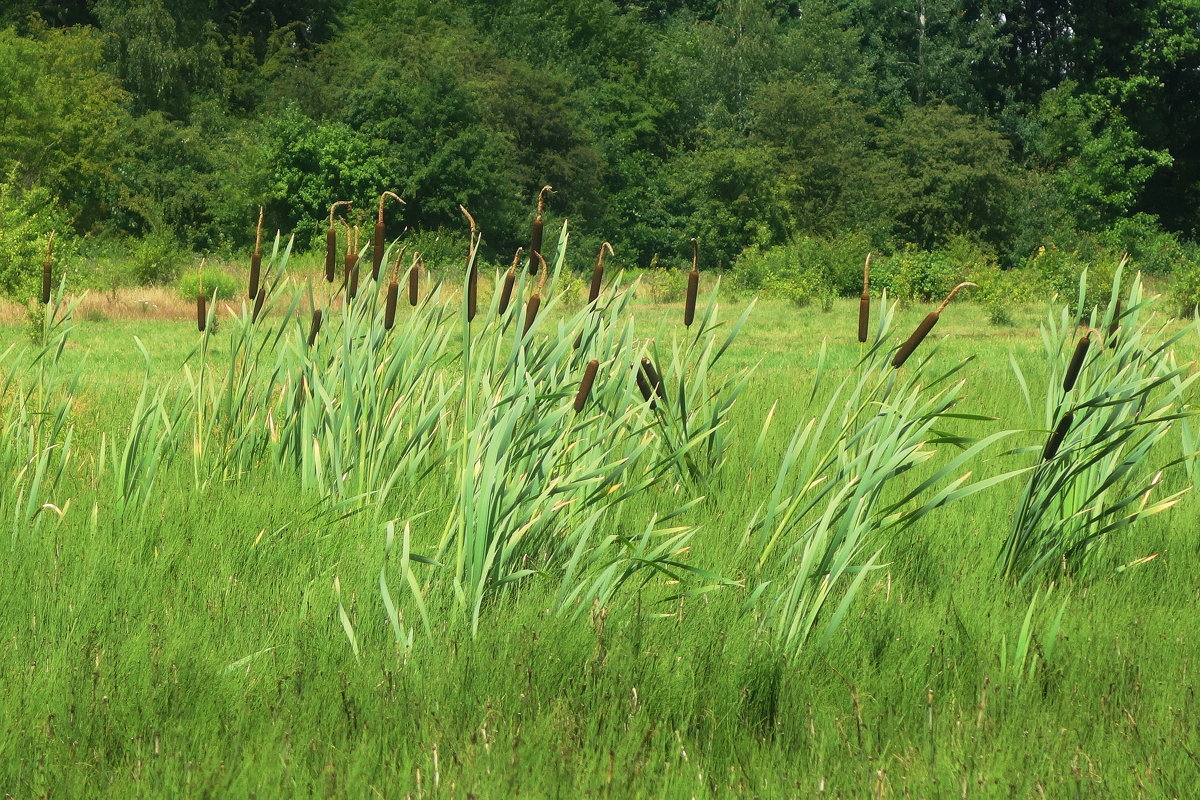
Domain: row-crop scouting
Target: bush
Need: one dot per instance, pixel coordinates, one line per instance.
(801, 272)
(1151, 249)
(26, 219)
(1059, 270)
(1185, 288)
(917, 276)
(1002, 290)
(225, 285)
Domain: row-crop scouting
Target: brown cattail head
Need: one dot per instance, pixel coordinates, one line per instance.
(47, 276)
(531, 310)
(1056, 437)
(414, 280)
(472, 267)
(201, 310)
(924, 328)
(331, 243)
(256, 257)
(1076, 362)
(535, 236)
(315, 327)
(380, 242)
(653, 378)
(259, 299)
(864, 302)
(693, 287)
(389, 308)
(598, 273)
(645, 388)
(585, 385)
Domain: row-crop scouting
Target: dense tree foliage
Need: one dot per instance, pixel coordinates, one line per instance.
(749, 123)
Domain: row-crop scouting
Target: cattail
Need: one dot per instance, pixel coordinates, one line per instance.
(380, 241)
(315, 327)
(201, 304)
(414, 280)
(256, 257)
(259, 299)
(653, 378)
(472, 267)
(864, 302)
(351, 263)
(1076, 361)
(598, 273)
(531, 310)
(331, 243)
(585, 385)
(509, 280)
(689, 305)
(47, 278)
(535, 236)
(924, 328)
(644, 387)
(393, 294)
(1056, 438)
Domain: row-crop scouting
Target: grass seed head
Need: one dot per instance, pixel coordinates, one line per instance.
(585, 385)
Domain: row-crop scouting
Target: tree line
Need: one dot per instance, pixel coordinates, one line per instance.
(747, 123)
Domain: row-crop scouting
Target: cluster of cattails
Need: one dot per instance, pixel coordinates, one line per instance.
(380, 242)
(510, 280)
(331, 242)
(924, 328)
(693, 287)
(535, 235)
(864, 302)
(47, 277)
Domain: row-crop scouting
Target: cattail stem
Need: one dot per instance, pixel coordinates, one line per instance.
(1076, 363)
(331, 243)
(585, 385)
(535, 236)
(351, 262)
(864, 302)
(380, 242)
(1056, 437)
(47, 275)
(315, 327)
(924, 328)
(693, 287)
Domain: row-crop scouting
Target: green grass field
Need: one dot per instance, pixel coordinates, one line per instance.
(226, 634)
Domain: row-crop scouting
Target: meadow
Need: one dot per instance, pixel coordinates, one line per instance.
(415, 560)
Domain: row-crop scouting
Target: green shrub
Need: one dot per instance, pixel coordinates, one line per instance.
(1000, 291)
(225, 285)
(1059, 271)
(916, 276)
(1185, 288)
(1151, 250)
(799, 272)
(156, 258)
(26, 219)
